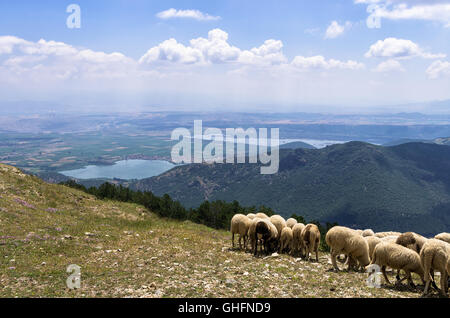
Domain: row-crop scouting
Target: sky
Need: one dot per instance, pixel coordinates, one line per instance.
(292, 55)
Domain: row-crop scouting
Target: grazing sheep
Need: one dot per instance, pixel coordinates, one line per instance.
(389, 239)
(311, 240)
(291, 222)
(261, 215)
(443, 237)
(368, 232)
(251, 216)
(397, 257)
(435, 255)
(384, 234)
(297, 238)
(286, 239)
(360, 232)
(239, 225)
(268, 233)
(411, 240)
(372, 241)
(279, 223)
(343, 240)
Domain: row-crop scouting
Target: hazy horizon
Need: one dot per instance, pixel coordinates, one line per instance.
(348, 56)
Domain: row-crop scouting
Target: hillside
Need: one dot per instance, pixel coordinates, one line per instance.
(406, 187)
(125, 251)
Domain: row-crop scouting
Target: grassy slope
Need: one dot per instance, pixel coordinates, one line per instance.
(125, 251)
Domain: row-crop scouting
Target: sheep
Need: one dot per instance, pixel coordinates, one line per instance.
(443, 237)
(261, 215)
(251, 216)
(389, 239)
(384, 234)
(435, 255)
(279, 223)
(239, 225)
(343, 240)
(286, 239)
(360, 232)
(397, 257)
(268, 233)
(291, 222)
(297, 238)
(368, 232)
(311, 240)
(372, 241)
(412, 240)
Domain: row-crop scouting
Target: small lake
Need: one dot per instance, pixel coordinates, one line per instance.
(125, 169)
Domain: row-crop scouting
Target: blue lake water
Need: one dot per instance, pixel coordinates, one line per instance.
(126, 169)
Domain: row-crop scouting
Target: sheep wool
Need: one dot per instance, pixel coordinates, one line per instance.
(311, 240)
(397, 257)
(343, 240)
(435, 256)
(240, 224)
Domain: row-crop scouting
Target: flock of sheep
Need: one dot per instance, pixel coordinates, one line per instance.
(408, 252)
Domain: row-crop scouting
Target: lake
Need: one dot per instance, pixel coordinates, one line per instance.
(125, 169)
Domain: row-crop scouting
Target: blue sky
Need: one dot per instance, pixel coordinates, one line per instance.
(255, 55)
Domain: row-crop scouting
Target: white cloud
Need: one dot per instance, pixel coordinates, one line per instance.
(215, 49)
(270, 53)
(438, 68)
(399, 48)
(319, 62)
(389, 66)
(436, 11)
(186, 14)
(335, 29)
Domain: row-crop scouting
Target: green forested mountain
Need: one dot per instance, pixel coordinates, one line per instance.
(405, 187)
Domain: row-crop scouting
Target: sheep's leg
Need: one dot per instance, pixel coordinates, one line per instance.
(232, 240)
(443, 290)
(333, 260)
(240, 241)
(410, 281)
(317, 253)
(383, 270)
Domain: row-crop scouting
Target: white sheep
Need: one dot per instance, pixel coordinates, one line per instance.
(261, 215)
(251, 216)
(384, 234)
(368, 232)
(411, 240)
(443, 237)
(343, 240)
(239, 225)
(291, 222)
(372, 241)
(311, 240)
(397, 257)
(435, 255)
(279, 223)
(286, 239)
(297, 238)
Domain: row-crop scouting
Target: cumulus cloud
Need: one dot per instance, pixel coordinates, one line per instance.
(436, 11)
(438, 68)
(399, 48)
(335, 29)
(214, 50)
(59, 60)
(319, 62)
(186, 14)
(389, 66)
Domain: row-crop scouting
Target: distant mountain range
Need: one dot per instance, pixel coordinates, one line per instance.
(403, 187)
(438, 141)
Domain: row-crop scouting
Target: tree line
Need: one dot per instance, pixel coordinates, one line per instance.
(216, 214)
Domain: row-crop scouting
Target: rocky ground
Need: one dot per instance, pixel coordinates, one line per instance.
(125, 251)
